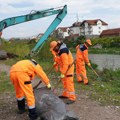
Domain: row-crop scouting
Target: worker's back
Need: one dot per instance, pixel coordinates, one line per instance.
(66, 59)
(82, 53)
(24, 66)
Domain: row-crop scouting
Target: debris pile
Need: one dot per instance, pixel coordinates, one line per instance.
(50, 107)
(5, 55)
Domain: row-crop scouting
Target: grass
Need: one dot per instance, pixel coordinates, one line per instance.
(20, 48)
(106, 91)
(101, 51)
(105, 51)
(5, 83)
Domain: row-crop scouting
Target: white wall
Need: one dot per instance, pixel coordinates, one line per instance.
(63, 34)
(94, 29)
(75, 30)
(98, 29)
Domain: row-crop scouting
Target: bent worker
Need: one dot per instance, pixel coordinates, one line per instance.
(81, 60)
(66, 69)
(21, 75)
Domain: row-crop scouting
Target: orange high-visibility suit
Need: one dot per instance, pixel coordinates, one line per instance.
(21, 75)
(56, 59)
(81, 59)
(66, 59)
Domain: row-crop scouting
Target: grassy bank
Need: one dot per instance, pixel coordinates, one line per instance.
(105, 51)
(105, 45)
(5, 83)
(106, 91)
(113, 50)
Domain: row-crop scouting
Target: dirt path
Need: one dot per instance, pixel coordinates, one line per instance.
(84, 107)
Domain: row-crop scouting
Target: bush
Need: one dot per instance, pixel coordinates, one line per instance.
(107, 42)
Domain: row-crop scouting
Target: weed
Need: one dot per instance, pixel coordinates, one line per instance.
(5, 83)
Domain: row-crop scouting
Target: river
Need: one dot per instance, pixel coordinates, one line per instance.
(105, 60)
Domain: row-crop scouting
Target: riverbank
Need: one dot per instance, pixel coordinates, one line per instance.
(97, 101)
(103, 61)
(115, 51)
(111, 51)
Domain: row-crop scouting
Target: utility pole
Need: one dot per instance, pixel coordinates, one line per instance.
(77, 17)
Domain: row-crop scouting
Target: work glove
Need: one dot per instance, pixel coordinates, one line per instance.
(49, 86)
(62, 75)
(89, 65)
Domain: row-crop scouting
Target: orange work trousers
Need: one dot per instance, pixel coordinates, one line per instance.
(81, 72)
(68, 86)
(23, 87)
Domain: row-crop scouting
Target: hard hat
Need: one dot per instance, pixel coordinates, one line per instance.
(88, 41)
(52, 45)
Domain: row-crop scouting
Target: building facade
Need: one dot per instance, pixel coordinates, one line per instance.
(75, 28)
(63, 32)
(92, 27)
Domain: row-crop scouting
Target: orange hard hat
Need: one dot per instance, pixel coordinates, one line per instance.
(88, 41)
(52, 45)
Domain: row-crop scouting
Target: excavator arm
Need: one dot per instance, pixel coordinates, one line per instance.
(61, 13)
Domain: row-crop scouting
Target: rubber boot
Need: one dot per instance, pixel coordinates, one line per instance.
(70, 102)
(21, 106)
(33, 114)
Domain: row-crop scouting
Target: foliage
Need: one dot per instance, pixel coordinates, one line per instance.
(22, 48)
(107, 42)
(18, 47)
(72, 43)
(107, 91)
(5, 83)
(44, 53)
(104, 50)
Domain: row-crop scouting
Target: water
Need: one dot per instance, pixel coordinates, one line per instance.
(109, 61)
(106, 61)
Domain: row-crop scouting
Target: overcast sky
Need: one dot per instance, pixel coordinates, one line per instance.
(106, 10)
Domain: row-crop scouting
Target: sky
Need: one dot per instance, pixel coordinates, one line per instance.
(106, 10)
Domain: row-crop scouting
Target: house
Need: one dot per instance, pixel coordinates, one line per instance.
(92, 27)
(75, 28)
(63, 32)
(110, 32)
(72, 37)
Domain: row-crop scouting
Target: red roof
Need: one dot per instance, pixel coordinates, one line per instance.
(110, 32)
(94, 22)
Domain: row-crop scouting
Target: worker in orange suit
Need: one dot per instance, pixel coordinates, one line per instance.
(81, 60)
(21, 75)
(56, 58)
(65, 64)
